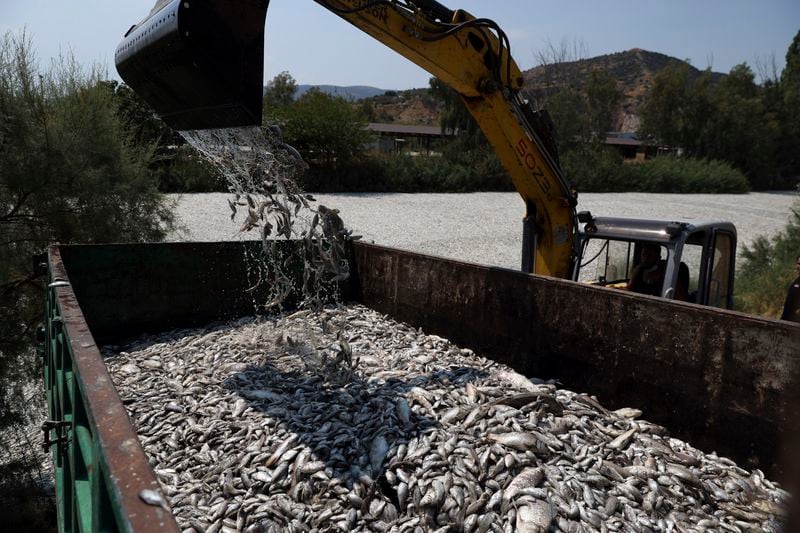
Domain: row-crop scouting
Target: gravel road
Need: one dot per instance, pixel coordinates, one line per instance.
(486, 228)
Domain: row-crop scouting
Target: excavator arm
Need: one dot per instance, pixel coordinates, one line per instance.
(199, 63)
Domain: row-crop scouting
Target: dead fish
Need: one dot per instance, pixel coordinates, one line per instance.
(403, 411)
(377, 452)
(515, 439)
(629, 413)
(623, 440)
(534, 517)
(528, 478)
(257, 424)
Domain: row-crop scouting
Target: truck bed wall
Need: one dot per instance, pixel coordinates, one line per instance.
(719, 379)
(129, 289)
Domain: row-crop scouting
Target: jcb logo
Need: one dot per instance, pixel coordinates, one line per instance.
(528, 158)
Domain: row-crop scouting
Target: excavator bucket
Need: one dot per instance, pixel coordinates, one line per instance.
(198, 63)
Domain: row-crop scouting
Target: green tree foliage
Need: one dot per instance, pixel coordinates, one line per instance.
(326, 129)
(367, 110)
(677, 109)
(175, 165)
(788, 97)
(584, 115)
(593, 168)
(455, 116)
(683, 175)
(468, 151)
(602, 100)
(279, 95)
(741, 130)
(767, 269)
(70, 172)
(567, 109)
(735, 120)
(402, 173)
(141, 121)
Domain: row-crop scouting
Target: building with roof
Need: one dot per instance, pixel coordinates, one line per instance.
(407, 139)
(631, 147)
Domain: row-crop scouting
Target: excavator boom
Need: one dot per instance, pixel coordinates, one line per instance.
(199, 63)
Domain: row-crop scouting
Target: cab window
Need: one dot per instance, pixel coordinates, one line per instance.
(606, 262)
(721, 266)
(692, 258)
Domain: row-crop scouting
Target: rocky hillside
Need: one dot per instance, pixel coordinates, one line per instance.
(634, 71)
(415, 106)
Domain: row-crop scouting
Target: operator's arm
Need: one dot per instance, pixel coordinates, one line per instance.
(472, 56)
(632, 280)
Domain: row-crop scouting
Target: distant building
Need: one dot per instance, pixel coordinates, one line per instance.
(632, 148)
(405, 139)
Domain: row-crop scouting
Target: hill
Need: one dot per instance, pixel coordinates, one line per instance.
(634, 71)
(354, 92)
(414, 106)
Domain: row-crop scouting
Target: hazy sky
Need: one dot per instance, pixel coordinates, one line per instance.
(317, 47)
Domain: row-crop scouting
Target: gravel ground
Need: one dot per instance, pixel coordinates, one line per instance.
(486, 228)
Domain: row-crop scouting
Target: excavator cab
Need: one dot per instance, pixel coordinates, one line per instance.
(696, 259)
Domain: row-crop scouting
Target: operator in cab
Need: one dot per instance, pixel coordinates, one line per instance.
(648, 276)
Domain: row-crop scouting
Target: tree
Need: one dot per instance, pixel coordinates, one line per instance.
(279, 94)
(584, 116)
(326, 129)
(367, 110)
(455, 116)
(789, 151)
(667, 108)
(145, 126)
(602, 101)
(70, 172)
(567, 109)
(729, 121)
(741, 131)
(468, 147)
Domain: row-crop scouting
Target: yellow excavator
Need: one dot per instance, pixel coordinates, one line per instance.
(199, 64)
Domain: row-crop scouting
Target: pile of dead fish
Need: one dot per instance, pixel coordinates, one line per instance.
(344, 420)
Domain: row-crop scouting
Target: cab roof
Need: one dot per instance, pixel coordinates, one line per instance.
(650, 230)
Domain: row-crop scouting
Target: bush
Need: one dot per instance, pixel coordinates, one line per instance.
(595, 169)
(325, 129)
(686, 176)
(186, 171)
(411, 174)
(601, 169)
(766, 270)
(70, 172)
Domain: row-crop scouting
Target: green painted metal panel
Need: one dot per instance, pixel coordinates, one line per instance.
(74, 451)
